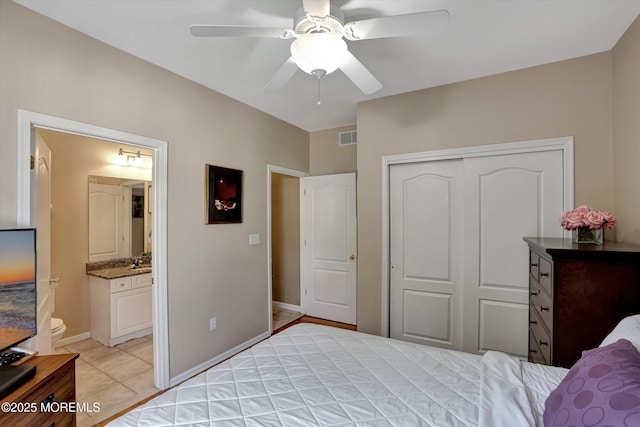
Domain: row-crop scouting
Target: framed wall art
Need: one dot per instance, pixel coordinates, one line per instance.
(223, 195)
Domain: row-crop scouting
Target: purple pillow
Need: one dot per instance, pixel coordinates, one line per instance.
(601, 389)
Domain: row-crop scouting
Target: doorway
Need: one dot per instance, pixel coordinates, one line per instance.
(326, 255)
(28, 122)
(283, 236)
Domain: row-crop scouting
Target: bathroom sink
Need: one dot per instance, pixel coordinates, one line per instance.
(142, 268)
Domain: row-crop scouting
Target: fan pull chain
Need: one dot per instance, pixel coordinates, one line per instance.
(319, 73)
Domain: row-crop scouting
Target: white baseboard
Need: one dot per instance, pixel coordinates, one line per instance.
(209, 363)
(73, 339)
(285, 306)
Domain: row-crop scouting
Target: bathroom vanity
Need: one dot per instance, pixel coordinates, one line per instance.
(120, 304)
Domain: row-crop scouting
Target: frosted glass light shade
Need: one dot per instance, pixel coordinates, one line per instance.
(318, 51)
(136, 162)
(120, 159)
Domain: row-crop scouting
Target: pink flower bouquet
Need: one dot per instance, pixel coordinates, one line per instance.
(585, 217)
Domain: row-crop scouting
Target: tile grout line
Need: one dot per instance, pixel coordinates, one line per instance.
(107, 374)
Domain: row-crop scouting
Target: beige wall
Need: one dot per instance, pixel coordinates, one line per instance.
(73, 159)
(566, 98)
(626, 134)
(48, 68)
(327, 157)
(285, 238)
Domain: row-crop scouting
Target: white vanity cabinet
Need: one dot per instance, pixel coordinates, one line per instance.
(120, 308)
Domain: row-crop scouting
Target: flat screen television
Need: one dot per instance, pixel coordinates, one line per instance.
(18, 303)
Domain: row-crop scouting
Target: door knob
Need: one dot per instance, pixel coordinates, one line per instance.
(352, 257)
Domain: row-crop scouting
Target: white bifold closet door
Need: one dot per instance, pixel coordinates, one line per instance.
(459, 272)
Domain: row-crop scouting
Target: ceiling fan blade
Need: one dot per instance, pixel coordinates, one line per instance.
(318, 8)
(359, 74)
(205, 30)
(282, 76)
(412, 24)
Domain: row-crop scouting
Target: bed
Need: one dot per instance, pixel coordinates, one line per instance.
(311, 375)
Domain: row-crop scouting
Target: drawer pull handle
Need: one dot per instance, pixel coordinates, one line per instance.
(544, 274)
(535, 293)
(543, 342)
(532, 351)
(533, 322)
(542, 308)
(534, 264)
(49, 399)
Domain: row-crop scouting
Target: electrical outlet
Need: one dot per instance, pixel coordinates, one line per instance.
(212, 324)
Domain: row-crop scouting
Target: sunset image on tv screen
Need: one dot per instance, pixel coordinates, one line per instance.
(17, 286)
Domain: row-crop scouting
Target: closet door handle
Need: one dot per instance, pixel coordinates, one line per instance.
(544, 274)
(542, 308)
(543, 342)
(535, 293)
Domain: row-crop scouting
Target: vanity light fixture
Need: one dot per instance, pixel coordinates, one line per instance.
(133, 158)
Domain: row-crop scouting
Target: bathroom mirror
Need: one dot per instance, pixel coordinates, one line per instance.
(119, 218)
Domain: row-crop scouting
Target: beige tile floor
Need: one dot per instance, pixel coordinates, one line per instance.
(282, 316)
(116, 377)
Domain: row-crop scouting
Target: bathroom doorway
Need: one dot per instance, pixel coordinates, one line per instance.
(29, 122)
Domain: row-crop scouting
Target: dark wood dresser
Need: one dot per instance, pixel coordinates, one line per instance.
(577, 295)
(54, 381)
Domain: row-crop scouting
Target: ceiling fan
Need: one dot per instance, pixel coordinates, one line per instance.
(319, 47)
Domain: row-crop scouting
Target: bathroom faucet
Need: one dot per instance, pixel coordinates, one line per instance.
(139, 260)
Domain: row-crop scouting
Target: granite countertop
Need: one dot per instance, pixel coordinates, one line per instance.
(115, 269)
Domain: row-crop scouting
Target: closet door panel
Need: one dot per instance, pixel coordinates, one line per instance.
(506, 197)
(426, 250)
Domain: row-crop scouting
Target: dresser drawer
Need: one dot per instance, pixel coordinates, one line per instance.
(539, 338)
(535, 354)
(534, 265)
(541, 301)
(545, 275)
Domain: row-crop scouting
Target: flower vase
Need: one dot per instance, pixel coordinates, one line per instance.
(588, 235)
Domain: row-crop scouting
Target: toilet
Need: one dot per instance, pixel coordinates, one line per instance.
(57, 330)
(57, 325)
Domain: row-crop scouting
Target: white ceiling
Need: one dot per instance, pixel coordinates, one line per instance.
(484, 38)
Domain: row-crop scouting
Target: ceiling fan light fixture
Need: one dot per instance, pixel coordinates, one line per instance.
(318, 51)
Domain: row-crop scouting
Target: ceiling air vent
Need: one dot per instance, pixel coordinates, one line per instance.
(348, 138)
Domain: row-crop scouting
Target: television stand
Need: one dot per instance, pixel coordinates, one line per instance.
(54, 380)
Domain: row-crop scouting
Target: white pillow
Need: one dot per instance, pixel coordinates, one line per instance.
(628, 328)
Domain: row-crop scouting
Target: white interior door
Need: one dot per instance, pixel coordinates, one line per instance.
(43, 236)
(426, 253)
(107, 231)
(328, 247)
(506, 198)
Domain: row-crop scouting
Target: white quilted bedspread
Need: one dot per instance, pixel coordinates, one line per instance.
(313, 375)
